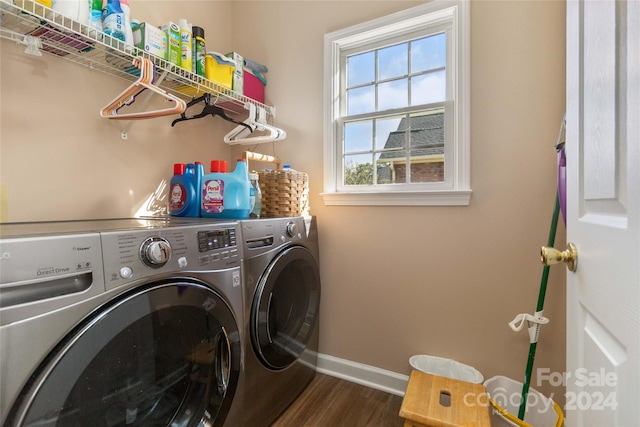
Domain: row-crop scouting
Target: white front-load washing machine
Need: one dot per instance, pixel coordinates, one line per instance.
(134, 322)
(281, 274)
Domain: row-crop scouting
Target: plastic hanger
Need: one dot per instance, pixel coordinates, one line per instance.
(240, 133)
(209, 109)
(128, 96)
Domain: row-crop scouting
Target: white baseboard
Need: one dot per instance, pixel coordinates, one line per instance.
(370, 376)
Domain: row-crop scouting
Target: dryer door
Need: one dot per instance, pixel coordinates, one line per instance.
(163, 354)
(285, 307)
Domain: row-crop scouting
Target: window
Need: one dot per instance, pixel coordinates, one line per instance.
(396, 109)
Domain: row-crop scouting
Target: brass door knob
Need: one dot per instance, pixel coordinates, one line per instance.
(550, 256)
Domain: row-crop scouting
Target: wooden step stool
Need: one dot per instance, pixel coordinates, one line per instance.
(435, 401)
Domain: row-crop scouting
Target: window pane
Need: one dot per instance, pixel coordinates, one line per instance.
(358, 170)
(427, 131)
(426, 167)
(358, 136)
(362, 100)
(393, 94)
(428, 88)
(390, 132)
(385, 172)
(427, 141)
(393, 62)
(391, 167)
(361, 69)
(428, 53)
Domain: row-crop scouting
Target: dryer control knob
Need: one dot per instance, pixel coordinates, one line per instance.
(155, 252)
(292, 229)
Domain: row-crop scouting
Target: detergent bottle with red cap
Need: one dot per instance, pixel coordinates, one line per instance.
(226, 194)
(184, 189)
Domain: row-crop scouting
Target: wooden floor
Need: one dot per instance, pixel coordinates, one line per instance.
(332, 402)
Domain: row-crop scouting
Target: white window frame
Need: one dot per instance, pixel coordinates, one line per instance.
(455, 190)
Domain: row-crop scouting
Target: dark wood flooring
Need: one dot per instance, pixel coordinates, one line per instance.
(332, 402)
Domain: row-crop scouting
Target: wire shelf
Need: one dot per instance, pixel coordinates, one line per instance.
(61, 36)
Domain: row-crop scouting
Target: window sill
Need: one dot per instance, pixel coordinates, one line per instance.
(431, 198)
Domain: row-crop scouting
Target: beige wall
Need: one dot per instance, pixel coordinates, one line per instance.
(61, 160)
(398, 281)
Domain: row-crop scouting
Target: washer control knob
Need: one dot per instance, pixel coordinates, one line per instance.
(292, 229)
(155, 252)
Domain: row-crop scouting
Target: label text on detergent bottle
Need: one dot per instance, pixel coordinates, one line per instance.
(213, 196)
(177, 198)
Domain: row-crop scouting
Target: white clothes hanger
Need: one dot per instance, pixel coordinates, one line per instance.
(240, 132)
(128, 96)
(239, 135)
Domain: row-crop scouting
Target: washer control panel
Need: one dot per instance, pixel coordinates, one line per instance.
(141, 253)
(216, 239)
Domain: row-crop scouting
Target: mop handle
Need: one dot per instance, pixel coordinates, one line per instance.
(539, 309)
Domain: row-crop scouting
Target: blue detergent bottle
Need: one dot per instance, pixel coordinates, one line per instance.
(226, 194)
(184, 189)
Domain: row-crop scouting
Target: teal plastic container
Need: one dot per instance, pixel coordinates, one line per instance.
(184, 189)
(226, 194)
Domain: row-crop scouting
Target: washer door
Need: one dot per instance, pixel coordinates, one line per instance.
(285, 307)
(163, 354)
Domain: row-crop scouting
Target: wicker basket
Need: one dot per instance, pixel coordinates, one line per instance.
(284, 193)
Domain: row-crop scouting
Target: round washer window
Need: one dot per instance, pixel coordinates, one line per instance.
(164, 354)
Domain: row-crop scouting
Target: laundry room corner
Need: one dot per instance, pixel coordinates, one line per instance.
(366, 286)
(444, 281)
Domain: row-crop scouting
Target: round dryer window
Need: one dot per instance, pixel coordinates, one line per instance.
(285, 307)
(164, 354)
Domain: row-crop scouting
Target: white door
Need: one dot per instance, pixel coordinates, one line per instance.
(603, 218)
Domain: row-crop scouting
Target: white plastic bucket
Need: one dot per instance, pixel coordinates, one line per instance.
(446, 368)
(506, 394)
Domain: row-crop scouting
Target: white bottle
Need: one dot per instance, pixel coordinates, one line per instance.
(256, 198)
(186, 44)
(78, 10)
(95, 16)
(124, 5)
